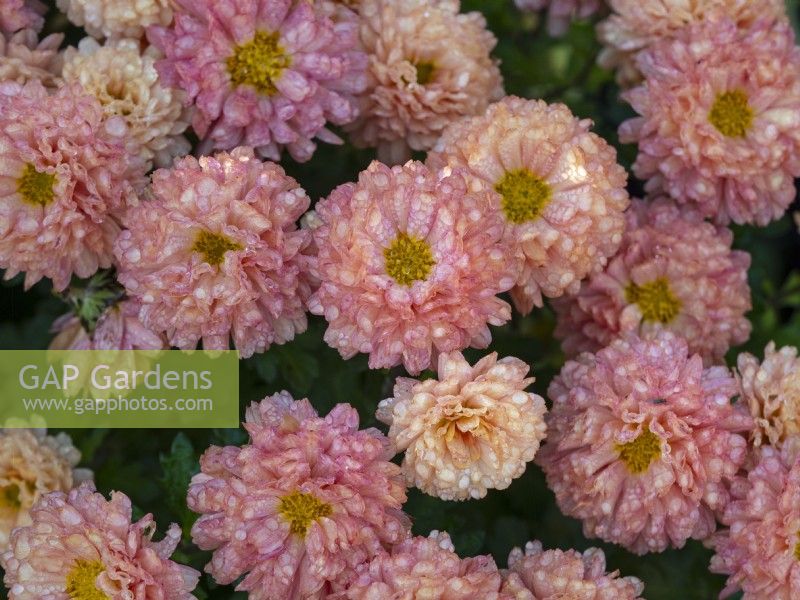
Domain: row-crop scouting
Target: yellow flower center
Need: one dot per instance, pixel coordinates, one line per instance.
(731, 114)
(655, 300)
(408, 259)
(81, 581)
(36, 187)
(301, 510)
(524, 195)
(213, 246)
(259, 63)
(797, 548)
(425, 71)
(638, 454)
(9, 496)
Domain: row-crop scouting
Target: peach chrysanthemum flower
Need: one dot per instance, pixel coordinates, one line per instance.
(643, 442)
(472, 429)
(124, 79)
(23, 57)
(410, 261)
(428, 66)
(81, 546)
(720, 119)
(674, 271)
(559, 186)
(117, 18)
(760, 548)
(32, 464)
(538, 574)
(66, 178)
(216, 254)
(561, 12)
(427, 567)
(771, 390)
(636, 24)
(21, 14)
(300, 506)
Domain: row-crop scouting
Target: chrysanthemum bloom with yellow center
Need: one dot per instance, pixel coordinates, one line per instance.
(66, 178)
(561, 12)
(32, 464)
(123, 78)
(558, 186)
(674, 271)
(216, 254)
(21, 14)
(409, 262)
(428, 66)
(116, 18)
(81, 546)
(771, 390)
(720, 119)
(642, 443)
(300, 506)
(264, 73)
(538, 574)
(636, 24)
(760, 548)
(23, 57)
(472, 429)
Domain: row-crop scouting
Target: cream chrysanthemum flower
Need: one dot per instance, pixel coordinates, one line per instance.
(771, 390)
(125, 81)
(33, 463)
(117, 18)
(23, 57)
(473, 429)
(428, 66)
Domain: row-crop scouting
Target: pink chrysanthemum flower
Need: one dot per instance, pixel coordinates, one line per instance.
(82, 546)
(720, 119)
(33, 464)
(21, 14)
(263, 73)
(117, 18)
(216, 254)
(561, 12)
(538, 574)
(301, 506)
(427, 567)
(634, 25)
(23, 57)
(760, 549)
(409, 263)
(771, 390)
(472, 429)
(674, 271)
(642, 443)
(559, 186)
(66, 176)
(428, 66)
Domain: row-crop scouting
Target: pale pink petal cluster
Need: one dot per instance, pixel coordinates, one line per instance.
(410, 262)
(24, 57)
(561, 12)
(760, 548)
(21, 14)
(541, 574)
(472, 429)
(688, 278)
(634, 25)
(117, 18)
(80, 545)
(427, 567)
(263, 73)
(428, 66)
(300, 506)
(643, 443)
(215, 254)
(66, 177)
(771, 390)
(124, 79)
(720, 119)
(567, 228)
(32, 464)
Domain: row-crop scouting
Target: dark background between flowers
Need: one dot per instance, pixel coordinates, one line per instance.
(154, 467)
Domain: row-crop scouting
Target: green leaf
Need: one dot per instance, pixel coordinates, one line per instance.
(179, 466)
